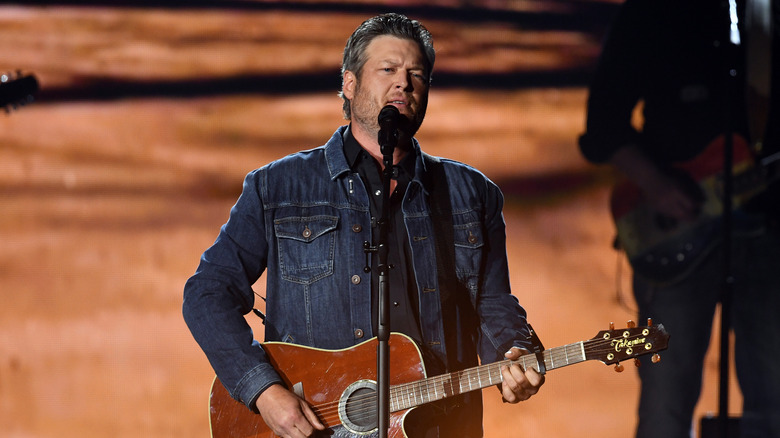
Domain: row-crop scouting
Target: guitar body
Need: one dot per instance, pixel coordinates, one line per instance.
(332, 382)
(663, 250)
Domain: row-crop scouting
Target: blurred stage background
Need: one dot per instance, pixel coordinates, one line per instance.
(150, 113)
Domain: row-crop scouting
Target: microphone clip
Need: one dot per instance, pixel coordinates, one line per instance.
(389, 120)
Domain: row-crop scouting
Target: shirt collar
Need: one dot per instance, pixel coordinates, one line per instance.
(354, 152)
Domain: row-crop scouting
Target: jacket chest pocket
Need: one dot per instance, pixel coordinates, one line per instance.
(469, 242)
(306, 247)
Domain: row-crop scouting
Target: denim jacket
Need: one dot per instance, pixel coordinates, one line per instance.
(303, 220)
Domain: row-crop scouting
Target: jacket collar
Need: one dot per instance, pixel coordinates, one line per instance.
(338, 165)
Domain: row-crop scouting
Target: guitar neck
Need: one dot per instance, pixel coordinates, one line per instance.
(409, 395)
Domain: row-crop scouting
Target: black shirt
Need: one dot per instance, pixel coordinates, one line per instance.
(680, 70)
(404, 312)
(674, 57)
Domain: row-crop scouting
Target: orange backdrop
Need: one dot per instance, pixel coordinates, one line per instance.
(116, 179)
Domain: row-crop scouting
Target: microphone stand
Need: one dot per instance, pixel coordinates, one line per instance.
(388, 138)
(725, 428)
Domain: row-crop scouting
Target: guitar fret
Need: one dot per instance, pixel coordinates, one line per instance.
(525, 365)
(457, 381)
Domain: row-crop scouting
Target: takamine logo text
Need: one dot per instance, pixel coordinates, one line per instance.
(628, 345)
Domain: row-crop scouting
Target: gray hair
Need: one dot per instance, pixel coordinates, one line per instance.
(392, 24)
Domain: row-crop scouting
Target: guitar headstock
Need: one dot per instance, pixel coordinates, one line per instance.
(16, 89)
(615, 345)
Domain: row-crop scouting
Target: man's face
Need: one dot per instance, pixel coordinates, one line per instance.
(394, 74)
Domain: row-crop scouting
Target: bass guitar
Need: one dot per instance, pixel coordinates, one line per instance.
(665, 250)
(340, 385)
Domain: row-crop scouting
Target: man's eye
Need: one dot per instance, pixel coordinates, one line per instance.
(420, 77)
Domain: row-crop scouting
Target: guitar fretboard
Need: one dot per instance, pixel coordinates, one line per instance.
(409, 395)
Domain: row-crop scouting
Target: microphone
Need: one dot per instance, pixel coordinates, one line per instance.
(389, 119)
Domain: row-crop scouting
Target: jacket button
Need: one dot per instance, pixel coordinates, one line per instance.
(472, 238)
(355, 279)
(358, 333)
(357, 228)
(306, 232)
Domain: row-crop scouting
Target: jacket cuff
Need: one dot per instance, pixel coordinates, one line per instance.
(257, 380)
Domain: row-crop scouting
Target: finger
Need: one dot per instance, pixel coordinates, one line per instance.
(308, 412)
(514, 353)
(302, 430)
(293, 431)
(293, 424)
(534, 378)
(512, 386)
(687, 205)
(505, 387)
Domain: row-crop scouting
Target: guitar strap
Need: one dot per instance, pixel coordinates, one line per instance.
(463, 413)
(444, 238)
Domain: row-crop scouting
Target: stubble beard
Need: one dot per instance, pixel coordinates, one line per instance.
(365, 112)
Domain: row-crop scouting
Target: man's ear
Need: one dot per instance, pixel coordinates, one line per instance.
(348, 86)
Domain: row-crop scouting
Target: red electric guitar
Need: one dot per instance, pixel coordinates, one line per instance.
(664, 250)
(340, 385)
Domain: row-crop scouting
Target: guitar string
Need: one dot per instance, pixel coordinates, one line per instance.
(402, 389)
(363, 407)
(359, 406)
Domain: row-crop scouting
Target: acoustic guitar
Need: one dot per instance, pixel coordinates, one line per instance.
(340, 385)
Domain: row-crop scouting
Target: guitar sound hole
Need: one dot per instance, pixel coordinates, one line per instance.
(358, 408)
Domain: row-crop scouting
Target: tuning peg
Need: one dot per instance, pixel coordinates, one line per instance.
(649, 322)
(619, 367)
(637, 362)
(656, 358)
(630, 324)
(612, 326)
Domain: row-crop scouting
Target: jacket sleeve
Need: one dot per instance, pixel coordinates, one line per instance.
(219, 294)
(502, 319)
